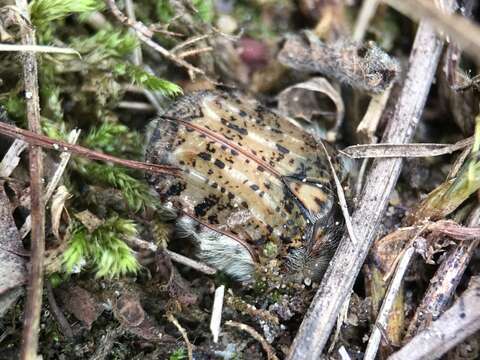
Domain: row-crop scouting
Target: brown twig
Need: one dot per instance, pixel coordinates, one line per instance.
(65, 327)
(252, 332)
(175, 257)
(455, 325)
(182, 331)
(46, 142)
(31, 326)
(145, 35)
(341, 197)
(444, 283)
(53, 183)
(346, 264)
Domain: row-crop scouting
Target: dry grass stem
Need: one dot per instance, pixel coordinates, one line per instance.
(252, 332)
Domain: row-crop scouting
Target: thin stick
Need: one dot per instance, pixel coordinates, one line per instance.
(65, 327)
(182, 331)
(178, 258)
(347, 262)
(31, 325)
(390, 296)
(367, 11)
(145, 35)
(445, 281)
(137, 57)
(53, 183)
(456, 324)
(46, 142)
(463, 31)
(341, 197)
(253, 333)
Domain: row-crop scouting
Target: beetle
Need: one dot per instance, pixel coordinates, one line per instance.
(250, 178)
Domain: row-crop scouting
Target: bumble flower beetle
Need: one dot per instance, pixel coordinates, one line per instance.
(249, 177)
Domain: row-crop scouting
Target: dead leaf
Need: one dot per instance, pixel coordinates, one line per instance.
(89, 220)
(81, 303)
(306, 100)
(129, 312)
(58, 205)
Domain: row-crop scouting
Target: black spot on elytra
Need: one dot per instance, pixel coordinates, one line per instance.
(202, 208)
(244, 204)
(289, 207)
(176, 189)
(260, 168)
(254, 187)
(205, 156)
(220, 164)
(230, 196)
(282, 149)
(242, 113)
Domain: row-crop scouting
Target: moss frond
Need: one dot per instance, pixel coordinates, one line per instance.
(205, 8)
(142, 78)
(135, 192)
(45, 11)
(106, 43)
(103, 249)
(113, 138)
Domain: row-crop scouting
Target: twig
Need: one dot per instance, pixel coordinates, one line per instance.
(341, 197)
(461, 30)
(12, 158)
(344, 267)
(404, 150)
(52, 185)
(444, 283)
(182, 331)
(252, 332)
(137, 106)
(65, 327)
(31, 325)
(145, 35)
(194, 52)
(456, 324)
(367, 11)
(137, 57)
(46, 142)
(178, 258)
(390, 296)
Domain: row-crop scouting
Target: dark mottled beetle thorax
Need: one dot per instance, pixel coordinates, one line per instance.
(248, 175)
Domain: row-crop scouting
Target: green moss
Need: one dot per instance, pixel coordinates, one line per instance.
(103, 249)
